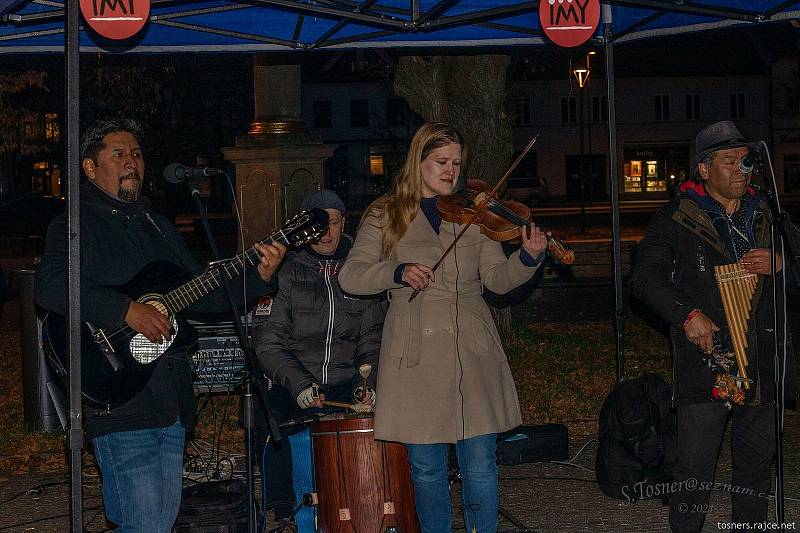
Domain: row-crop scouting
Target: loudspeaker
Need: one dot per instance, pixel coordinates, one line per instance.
(39, 385)
(213, 507)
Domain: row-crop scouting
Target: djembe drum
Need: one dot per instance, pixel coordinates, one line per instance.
(362, 484)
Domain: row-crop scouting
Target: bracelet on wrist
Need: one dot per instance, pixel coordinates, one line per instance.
(690, 316)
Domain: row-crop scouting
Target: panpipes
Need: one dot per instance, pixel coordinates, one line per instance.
(736, 287)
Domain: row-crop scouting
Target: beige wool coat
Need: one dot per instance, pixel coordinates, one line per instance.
(443, 375)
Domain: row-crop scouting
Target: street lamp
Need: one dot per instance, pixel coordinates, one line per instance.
(581, 74)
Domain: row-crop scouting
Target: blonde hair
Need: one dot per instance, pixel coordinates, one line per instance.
(398, 208)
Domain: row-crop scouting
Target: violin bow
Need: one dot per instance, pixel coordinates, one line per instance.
(480, 204)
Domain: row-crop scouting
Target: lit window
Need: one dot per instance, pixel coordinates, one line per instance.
(40, 165)
(52, 128)
(376, 165)
(633, 176)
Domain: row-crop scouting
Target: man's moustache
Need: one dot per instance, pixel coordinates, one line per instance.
(132, 175)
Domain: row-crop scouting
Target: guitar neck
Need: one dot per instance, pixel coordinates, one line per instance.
(192, 291)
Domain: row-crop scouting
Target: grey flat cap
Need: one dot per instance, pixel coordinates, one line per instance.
(718, 136)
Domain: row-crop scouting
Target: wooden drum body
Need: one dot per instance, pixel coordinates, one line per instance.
(362, 485)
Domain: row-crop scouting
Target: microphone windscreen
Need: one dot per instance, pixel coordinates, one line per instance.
(175, 173)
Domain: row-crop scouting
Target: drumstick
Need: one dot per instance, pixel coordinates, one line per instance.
(337, 404)
(356, 407)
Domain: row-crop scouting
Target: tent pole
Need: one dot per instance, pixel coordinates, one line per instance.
(619, 306)
(72, 105)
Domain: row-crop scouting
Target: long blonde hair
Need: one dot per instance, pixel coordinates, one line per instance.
(398, 208)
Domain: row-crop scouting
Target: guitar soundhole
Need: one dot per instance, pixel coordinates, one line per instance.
(145, 351)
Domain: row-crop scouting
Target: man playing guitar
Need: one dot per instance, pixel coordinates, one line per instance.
(138, 444)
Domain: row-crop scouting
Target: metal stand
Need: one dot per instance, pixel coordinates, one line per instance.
(779, 223)
(251, 375)
(72, 62)
(619, 301)
(778, 219)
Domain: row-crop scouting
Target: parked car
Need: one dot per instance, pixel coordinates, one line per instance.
(531, 191)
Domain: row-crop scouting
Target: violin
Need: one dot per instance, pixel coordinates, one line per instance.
(500, 220)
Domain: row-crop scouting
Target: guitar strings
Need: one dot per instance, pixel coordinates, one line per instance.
(172, 299)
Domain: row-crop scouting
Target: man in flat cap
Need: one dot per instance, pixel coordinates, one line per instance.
(311, 341)
(716, 218)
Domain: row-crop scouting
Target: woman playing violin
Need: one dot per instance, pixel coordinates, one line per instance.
(443, 377)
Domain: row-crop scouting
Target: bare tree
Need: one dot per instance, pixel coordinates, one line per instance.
(467, 92)
(21, 129)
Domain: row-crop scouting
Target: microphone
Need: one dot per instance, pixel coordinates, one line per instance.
(748, 162)
(177, 173)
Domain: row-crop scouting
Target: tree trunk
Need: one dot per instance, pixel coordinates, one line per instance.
(467, 92)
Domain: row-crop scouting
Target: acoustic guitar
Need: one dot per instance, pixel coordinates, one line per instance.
(116, 364)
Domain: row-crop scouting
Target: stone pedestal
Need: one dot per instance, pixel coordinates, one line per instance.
(273, 174)
(276, 163)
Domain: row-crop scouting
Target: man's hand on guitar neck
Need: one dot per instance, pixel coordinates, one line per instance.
(271, 256)
(149, 321)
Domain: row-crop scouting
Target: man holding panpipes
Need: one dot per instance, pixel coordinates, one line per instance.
(717, 218)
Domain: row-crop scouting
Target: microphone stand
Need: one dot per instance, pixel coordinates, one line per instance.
(779, 219)
(251, 375)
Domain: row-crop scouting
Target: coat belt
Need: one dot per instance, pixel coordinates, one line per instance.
(413, 349)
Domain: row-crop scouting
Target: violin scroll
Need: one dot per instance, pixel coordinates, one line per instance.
(560, 251)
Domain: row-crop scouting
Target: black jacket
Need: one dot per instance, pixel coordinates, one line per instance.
(315, 333)
(117, 240)
(674, 273)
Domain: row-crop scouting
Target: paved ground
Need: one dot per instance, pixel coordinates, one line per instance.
(549, 497)
(543, 497)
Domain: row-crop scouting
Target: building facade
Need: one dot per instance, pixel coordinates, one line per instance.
(656, 118)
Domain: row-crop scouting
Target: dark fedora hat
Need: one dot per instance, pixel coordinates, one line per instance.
(718, 136)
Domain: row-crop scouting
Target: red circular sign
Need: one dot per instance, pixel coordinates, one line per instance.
(569, 22)
(116, 19)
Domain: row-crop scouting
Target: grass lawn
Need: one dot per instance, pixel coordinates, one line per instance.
(563, 372)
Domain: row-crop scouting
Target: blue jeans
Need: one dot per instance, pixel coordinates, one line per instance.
(479, 490)
(142, 473)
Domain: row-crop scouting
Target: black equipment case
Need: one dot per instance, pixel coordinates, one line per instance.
(531, 444)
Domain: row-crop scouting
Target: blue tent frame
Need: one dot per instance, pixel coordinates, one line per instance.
(264, 25)
(31, 26)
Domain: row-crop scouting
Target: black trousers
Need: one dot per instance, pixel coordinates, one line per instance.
(275, 459)
(700, 431)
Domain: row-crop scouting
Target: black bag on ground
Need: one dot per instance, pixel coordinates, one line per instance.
(529, 444)
(637, 439)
